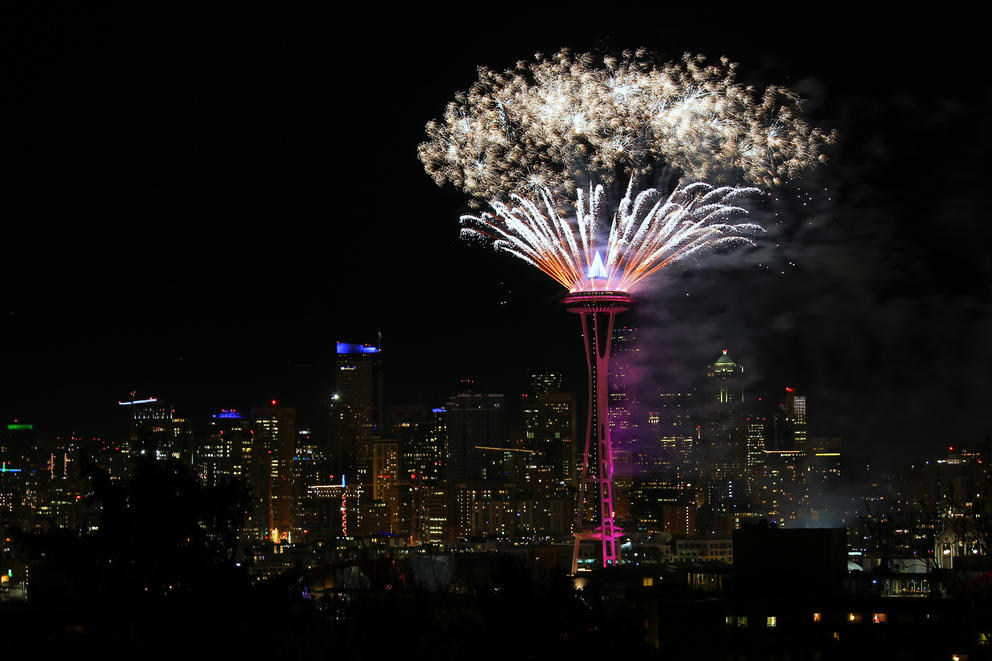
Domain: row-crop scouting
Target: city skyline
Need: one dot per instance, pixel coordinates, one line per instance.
(219, 269)
(265, 390)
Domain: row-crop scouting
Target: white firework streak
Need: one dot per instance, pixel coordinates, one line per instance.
(649, 231)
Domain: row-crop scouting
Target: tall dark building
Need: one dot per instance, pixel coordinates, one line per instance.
(723, 434)
(313, 515)
(755, 438)
(624, 425)
(550, 427)
(476, 431)
(779, 484)
(665, 463)
(356, 406)
(226, 454)
(151, 430)
(423, 443)
(273, 431)
(19, 446)
(548, 476)
(623, 395)
(789, 430)
(19, 472)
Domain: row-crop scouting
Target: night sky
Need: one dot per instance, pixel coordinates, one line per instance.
(199, 205)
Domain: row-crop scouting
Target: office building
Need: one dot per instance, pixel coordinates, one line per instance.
(274, 447)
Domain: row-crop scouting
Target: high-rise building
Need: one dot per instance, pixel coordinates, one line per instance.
(55, 487)
(723, 434)
(226, 454)
(789, 425)
(622, 395)
(547, 479)
(423, 462)
(780, 491)
(823, 475)
(550, 427)
(628, 445)
(314, 515)
(19, 472)
(357, 404)
(19, 445)
(386, 479)
(778, 462)
(659, 474)
(151, 429)
(670, 460)
(273, 430)
(422, 449)
(755, 429)
(183, 445)
(475, 424)
(322, 511)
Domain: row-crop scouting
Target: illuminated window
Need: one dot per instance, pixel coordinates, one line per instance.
(985, 638)
(818, 617)
(742, 620)
(836, 635)
(647, 581)
(854, 618)
(879, 618)
(771, 621)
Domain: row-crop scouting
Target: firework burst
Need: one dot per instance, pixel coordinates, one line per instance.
(648, 232)
(564, 118)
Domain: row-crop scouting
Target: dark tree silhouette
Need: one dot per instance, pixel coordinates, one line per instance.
(156, 570)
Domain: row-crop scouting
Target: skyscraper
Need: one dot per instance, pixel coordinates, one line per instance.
(623, 395)
(314, 489)
(273, 431)
(226, 453)
(723, 433)
(19, 472)
(550, 426)
(790, 429)
(754, 440)
(628, 446)
(385, 479)
(548, 481)
(150, 427)
(423, 461)
(359, 407)
(665, 462)
(475, 422)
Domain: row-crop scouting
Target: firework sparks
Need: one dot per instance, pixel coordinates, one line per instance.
(648, 232)
(558, 119)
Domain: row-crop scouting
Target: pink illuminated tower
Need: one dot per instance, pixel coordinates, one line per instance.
(597, 310)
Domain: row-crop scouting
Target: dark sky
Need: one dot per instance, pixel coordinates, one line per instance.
(201, 204)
